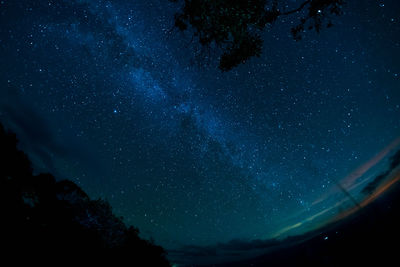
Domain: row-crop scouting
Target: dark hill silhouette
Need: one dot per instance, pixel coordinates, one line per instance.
(43, 219)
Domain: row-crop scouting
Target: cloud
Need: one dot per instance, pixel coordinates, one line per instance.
(395, 160)
(222, 252)
(350, 181)
(360, 171)
(37, 137)
(32, 131)
(372, 186)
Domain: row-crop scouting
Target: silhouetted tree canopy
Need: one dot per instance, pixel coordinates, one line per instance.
(235, 26)
(44, 217)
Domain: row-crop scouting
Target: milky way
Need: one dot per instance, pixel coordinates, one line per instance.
(110, 95)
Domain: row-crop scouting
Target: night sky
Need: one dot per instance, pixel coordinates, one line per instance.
(109, 95)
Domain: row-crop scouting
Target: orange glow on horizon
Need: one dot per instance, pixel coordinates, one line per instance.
(349, 181)
(360, 171)
(395, 177)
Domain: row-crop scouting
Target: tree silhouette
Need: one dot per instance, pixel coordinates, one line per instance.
(44, 217)
(235, 26)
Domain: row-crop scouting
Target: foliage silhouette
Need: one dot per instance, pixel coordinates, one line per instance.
(44, 217)
(235, 26)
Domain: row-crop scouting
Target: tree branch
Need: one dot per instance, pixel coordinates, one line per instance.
(297, 9)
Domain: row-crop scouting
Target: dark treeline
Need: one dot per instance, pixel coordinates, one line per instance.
(42, 218)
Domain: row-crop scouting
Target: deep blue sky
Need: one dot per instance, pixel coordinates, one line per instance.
(104, 94)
